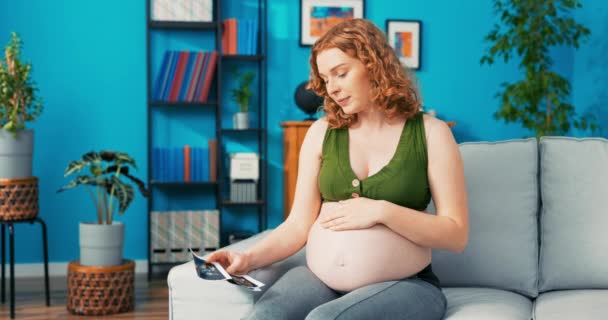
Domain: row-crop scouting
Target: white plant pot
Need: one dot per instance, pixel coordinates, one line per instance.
(16, 154)
(101, 244)
(241, 120)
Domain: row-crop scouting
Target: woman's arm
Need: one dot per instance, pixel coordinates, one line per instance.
(449, 228)
(291, 235)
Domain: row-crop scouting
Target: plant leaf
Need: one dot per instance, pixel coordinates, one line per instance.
(81, 180)
(118, 158)
(123, 192)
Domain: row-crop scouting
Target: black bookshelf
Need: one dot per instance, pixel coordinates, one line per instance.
(228, 203)
(159, 25)
(184, 184)
(240, 57)
(211, 104)
(248, 130)
(219, 187)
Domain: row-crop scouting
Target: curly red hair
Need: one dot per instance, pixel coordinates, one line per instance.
(392, 88)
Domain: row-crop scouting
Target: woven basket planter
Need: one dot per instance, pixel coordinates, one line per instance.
(101, 290)
(18, 199)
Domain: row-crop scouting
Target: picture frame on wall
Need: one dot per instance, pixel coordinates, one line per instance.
(405, 37)
(318, 16)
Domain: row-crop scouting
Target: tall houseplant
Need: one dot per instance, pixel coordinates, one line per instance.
(108, 179)
(527, 30)
(241, 96)
(18, 104)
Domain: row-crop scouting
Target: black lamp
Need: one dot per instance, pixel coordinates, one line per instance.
(307, 100)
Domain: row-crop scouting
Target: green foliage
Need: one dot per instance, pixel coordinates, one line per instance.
(243, 92)
(18, 101)
(106, 168)
(527, 30)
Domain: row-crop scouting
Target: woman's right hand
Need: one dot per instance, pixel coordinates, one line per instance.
(234, 262)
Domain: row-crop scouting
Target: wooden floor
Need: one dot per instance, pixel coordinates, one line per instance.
(151, 300)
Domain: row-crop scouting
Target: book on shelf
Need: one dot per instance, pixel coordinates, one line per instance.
(182, 10)
(239, 36)
(185, 164)
(213, 152)
(185, 76)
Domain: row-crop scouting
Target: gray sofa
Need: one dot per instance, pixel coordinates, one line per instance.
(538, 245)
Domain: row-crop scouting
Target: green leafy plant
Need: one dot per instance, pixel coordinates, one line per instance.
(243, 92)
(18, 101)
(527, 30)
(105, 182)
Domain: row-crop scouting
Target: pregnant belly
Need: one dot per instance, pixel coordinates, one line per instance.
(346, 260)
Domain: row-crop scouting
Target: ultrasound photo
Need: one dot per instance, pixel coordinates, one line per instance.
(209, 271)
(246, 281)
(215, 271)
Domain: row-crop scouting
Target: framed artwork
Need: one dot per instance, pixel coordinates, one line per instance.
(318, 16)
(404, 36)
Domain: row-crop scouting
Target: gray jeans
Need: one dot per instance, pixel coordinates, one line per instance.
(299, 295)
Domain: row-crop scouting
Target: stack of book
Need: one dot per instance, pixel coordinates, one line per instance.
(182, 10)
(185, 164)
(172, 233)
(240, 36)
(185, 76)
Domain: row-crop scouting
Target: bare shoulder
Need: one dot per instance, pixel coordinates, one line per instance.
(320, 125)
(313, 141)
(317, 129)
(437, 131)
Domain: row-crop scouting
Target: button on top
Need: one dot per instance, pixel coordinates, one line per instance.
(355, 195)
(356, 183)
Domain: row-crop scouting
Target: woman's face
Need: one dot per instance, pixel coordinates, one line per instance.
(345, 80)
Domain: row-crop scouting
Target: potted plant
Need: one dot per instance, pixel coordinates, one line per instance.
(527, 30)
(241, 96)
(101, 242)
(18, 105)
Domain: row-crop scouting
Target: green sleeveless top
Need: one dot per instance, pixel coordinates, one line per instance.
(403, 181)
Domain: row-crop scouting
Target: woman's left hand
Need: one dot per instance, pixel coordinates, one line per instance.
(351, 214)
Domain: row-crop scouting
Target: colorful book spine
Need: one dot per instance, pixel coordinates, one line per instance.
(204, 155)
(179, 75)
(183, 91)
(171, 75)
(241, 30)
(213, 150)
(196, 72)
(161, 77)
(187, 151)
(229, 36)
(208, 77)
(254, 37)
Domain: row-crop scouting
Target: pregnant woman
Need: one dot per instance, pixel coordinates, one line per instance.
(367, 171)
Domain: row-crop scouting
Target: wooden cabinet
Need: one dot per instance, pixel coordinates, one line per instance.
(293, 136)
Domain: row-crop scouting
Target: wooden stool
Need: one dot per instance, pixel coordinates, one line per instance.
(101, 290)
(19, 204)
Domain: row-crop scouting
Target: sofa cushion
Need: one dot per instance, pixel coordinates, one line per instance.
(502, 252)
(484, 303)
(571, 304)
(574, 214)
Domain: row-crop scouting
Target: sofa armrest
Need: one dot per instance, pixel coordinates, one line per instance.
(191, 297)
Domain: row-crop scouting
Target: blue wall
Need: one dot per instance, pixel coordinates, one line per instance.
(89, 62)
